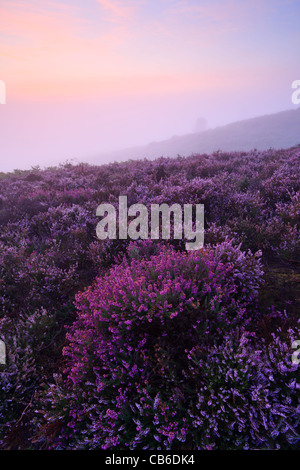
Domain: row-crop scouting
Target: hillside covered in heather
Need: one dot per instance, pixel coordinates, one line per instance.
(140, 344)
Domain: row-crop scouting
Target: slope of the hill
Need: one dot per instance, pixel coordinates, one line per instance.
(279, 130)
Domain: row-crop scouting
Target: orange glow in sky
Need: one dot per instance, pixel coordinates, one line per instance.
(221, 59)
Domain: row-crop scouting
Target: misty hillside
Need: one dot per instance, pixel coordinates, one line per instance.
(279, 130)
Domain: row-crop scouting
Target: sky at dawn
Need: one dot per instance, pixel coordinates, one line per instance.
(89, 76)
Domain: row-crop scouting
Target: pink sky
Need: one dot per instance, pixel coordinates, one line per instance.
(86, 76)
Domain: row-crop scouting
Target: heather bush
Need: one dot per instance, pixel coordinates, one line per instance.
(26, 342)
(134, 335)
(49, 252)
(247, 395)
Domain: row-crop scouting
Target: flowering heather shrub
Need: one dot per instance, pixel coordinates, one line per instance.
(134, 339)
(32, 280)
(248, 395)
(240, 394)
(18, 382)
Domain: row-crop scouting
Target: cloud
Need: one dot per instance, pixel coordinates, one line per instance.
(134, 45)
(222, 15)
(120, 9)
(57, 45)
(11, 56)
